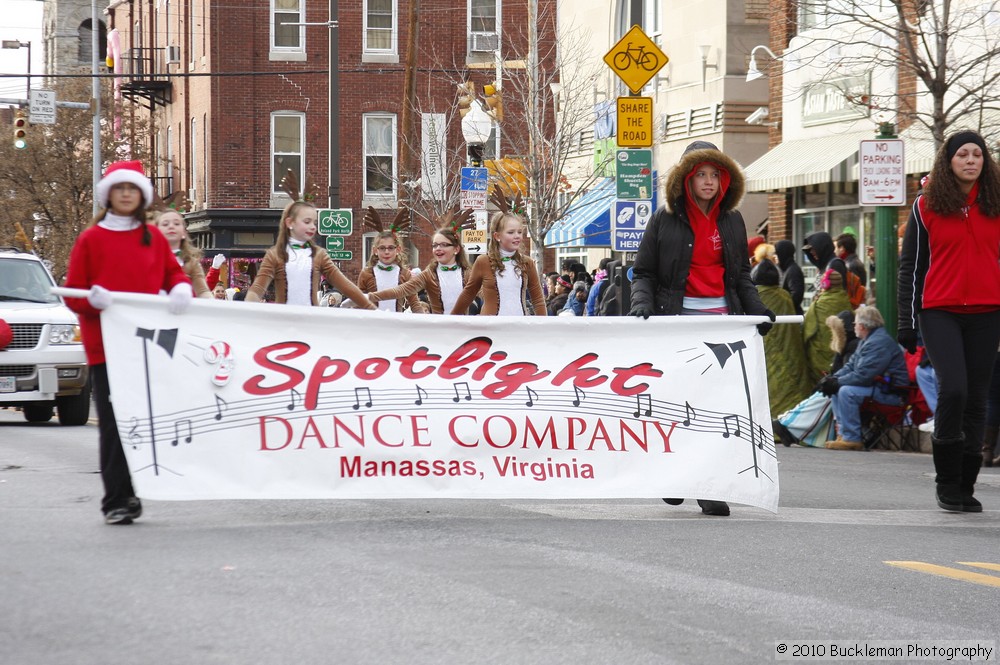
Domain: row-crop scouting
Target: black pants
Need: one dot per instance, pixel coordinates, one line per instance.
(962, 348)
(114, 469)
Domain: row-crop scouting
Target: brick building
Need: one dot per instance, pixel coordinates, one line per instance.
(241, 92)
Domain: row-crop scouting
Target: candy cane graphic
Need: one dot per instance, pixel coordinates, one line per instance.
(220, 354)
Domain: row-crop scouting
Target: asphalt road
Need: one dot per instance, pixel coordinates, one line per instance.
(464, 581)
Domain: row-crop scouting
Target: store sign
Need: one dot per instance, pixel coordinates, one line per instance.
(834, 100)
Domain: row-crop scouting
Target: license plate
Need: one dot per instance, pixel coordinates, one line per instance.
(8, 384)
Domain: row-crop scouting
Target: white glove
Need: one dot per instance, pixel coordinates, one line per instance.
(218, 261)
(99, 297)
(180, 298)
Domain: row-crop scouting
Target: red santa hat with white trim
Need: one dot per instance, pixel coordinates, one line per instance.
(122, 172)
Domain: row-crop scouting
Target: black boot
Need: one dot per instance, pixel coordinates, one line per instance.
(989, 443)
(970, 471)
(717, 508)
(948, 467)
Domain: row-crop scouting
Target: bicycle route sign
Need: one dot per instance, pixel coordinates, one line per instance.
(335, 221)
(635, 58)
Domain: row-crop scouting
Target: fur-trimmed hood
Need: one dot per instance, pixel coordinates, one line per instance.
(698, 153)
(842, 329)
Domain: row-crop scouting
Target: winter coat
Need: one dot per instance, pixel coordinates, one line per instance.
(792, 278)
(663, 261)
(878, 355)
(784, 352)
(822, 244)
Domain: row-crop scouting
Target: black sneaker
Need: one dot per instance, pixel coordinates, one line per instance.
(717, 508)
(117, 516)
(782, 433)
(134, 507)
(674, 502)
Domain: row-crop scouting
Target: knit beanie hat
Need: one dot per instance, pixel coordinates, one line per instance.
(122, 172)
(960, 139)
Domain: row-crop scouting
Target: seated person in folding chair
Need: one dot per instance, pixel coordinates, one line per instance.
(876, 367)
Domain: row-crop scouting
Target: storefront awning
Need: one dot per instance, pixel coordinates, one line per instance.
(805, 162)
(588, 223)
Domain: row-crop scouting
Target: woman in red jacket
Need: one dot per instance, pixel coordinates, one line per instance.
(949, 290)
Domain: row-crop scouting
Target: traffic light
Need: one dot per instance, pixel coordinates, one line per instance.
(20, 130)
(494, 101)
(466, 96)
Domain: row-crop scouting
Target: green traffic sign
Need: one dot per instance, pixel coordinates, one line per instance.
(335, 243)
(342, 256)
(634, 178)
(335, 221)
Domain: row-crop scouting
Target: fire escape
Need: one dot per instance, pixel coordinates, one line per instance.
(144, 80)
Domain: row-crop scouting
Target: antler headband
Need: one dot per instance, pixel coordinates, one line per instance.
(177, 201)
(500, 200)
(457, 220)
(290, 185)
(399, 224)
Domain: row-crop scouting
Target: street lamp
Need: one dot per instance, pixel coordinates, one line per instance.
(16, 44)
(476, 130)
(752, 72)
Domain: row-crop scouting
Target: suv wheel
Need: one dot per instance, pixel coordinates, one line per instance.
(38, 413)
(74, 410)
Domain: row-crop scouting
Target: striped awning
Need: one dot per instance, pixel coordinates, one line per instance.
(588, 222)
(806, 162)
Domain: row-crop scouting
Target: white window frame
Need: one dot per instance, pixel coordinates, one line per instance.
(374, 197)
(278, 52)
(372, 54)
(483, 56)
(190, 32)
(278, 197)
(194, 160)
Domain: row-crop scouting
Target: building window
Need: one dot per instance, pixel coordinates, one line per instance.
(190, 28)
(193, 157)
(380, 26)
(483, 15)
(84, 46)
(380, 154)
(287, 130)
(285, 36)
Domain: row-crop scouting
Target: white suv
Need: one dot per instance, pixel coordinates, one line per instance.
(44, 365)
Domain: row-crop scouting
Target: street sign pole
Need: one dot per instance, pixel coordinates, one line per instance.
(886, 245)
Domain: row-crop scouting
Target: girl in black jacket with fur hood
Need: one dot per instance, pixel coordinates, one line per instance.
(693, 255)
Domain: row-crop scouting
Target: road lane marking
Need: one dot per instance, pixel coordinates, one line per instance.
(951, 573)
(979, 564)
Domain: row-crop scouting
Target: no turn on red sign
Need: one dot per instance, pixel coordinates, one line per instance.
(882, 173)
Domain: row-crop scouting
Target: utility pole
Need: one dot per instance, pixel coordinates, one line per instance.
(95, 93)
(409, 166)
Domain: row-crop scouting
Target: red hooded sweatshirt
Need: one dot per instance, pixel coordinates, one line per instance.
(707, 276)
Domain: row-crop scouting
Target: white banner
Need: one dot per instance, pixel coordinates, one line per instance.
(433, 149)
(256, 401)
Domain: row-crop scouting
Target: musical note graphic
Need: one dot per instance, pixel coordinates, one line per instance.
(177, 431)
(357, 398)
(220, 406)
(638, 405)
(580, 396)
(532, 396)
(291, 404)
(468, 393)
(689, 414)
(421, 394)
(133, 436)
(725, 421)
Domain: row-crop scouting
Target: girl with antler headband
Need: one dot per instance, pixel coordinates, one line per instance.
(386, 268)
(295, 263)
(444, 277)
(506, 276)
(167, 217)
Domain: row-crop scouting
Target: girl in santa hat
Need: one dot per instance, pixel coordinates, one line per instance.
(444, 277)
(119, 252)
(386, 268)
(295, 263)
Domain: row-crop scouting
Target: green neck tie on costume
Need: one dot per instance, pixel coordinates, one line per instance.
(296, 245)
(448, 268)
(386, 268)
(507, 258)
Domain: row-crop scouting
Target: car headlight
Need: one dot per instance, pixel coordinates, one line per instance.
(64, 334)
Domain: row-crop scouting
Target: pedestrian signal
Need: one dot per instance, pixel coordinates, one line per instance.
(20, 131)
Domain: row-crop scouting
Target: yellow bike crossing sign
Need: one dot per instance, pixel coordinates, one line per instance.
(635, 58)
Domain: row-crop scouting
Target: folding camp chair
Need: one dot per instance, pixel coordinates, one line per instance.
(892, 426)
